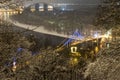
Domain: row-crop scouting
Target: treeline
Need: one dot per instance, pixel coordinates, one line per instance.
(108, 14)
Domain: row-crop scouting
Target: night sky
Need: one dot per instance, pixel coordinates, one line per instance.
(70, 1)
(80, 2)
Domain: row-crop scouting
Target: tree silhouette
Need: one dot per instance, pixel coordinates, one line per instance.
(108, 14)
(13, 47)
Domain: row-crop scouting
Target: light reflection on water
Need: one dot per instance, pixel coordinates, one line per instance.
(5, 15)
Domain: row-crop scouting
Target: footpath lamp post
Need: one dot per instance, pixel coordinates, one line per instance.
(109, 38)
(14, 67)
(96, 36)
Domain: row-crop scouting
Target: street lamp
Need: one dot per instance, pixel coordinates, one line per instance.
(14, 65)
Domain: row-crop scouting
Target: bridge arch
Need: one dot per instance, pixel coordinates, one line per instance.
(41, 6)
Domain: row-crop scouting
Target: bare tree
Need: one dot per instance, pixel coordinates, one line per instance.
(108, 14)
(13, 48)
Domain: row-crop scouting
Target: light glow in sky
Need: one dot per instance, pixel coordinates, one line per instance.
(80, 2)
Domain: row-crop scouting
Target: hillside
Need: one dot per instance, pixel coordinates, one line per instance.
(107, 65)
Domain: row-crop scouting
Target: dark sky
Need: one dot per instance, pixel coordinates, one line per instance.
(80, 2)
(68, 1)
(77, 1)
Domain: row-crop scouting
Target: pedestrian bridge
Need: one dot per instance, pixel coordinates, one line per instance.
(74, 39)
(41, 29)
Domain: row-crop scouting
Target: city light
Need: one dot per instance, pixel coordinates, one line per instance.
(14, 66)
(108, 34)
(50, 8)
(96, 49)
(63, 9)
(41, 7)
(96, 35)
(74, 61)
(73, 49)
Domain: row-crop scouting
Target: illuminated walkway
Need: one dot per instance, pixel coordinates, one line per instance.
(74, 36)
(39, 29)
(68, 38)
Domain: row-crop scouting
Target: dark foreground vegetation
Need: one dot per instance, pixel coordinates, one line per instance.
(47, 64)
(107, 65)
(51, 65)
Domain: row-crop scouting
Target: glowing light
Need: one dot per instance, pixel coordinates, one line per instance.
(108, 34)
(96, 49)
(108, 45)
(14, 66)
(41, 7)
(14, 12)
(14, 63)
(20, 12)
(118, 3)
(96, 35)
(50, 8)
(102, 40)
(63, 9)
(110, 37)
(27, 62)
(73, 49)
(32, 8)
(73, 61)
(8, 13)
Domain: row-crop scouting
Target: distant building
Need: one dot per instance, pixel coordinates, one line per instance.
(50, 8)
(41, 7)
(32, 8)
